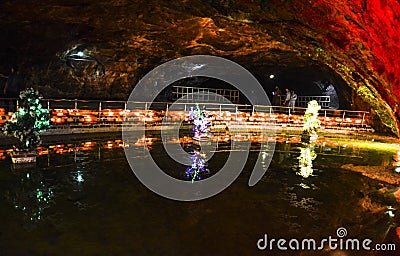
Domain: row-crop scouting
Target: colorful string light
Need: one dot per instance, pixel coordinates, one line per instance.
(200, 120)
(199, 166)
(201, 127)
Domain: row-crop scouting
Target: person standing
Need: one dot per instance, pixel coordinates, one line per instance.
(287, 97)
(292, 101)
(276, 97)
(11, 90)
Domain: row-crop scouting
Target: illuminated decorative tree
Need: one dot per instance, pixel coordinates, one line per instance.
(200, 120)
(29, 121)
(201, 127)
(310, 128)
(311, 122)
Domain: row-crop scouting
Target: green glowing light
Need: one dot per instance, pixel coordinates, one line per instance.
(39, 194)
(380, 146)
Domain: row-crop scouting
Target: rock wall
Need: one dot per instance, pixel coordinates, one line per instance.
(118, 41)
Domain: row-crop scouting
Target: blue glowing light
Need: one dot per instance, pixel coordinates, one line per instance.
(199, 166)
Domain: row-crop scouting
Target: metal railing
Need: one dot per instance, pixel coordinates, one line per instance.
(205, 94)
(302, 101)
(323, 101)
(101, 111)
(109, 104)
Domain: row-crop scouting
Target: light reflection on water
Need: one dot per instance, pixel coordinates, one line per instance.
(88, 183)
(32, 196)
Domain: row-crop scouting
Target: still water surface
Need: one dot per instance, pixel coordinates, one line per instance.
(83, 199)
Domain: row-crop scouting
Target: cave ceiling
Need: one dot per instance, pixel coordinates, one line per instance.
(124, 39)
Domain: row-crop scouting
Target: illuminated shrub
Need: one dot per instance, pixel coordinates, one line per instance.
(29, 121)
(311, 122)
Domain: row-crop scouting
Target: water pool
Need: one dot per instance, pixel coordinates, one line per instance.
(82, 198)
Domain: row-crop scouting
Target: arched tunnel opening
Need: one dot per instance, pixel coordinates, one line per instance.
(311, 80)
(306, 78)
(348, 89)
